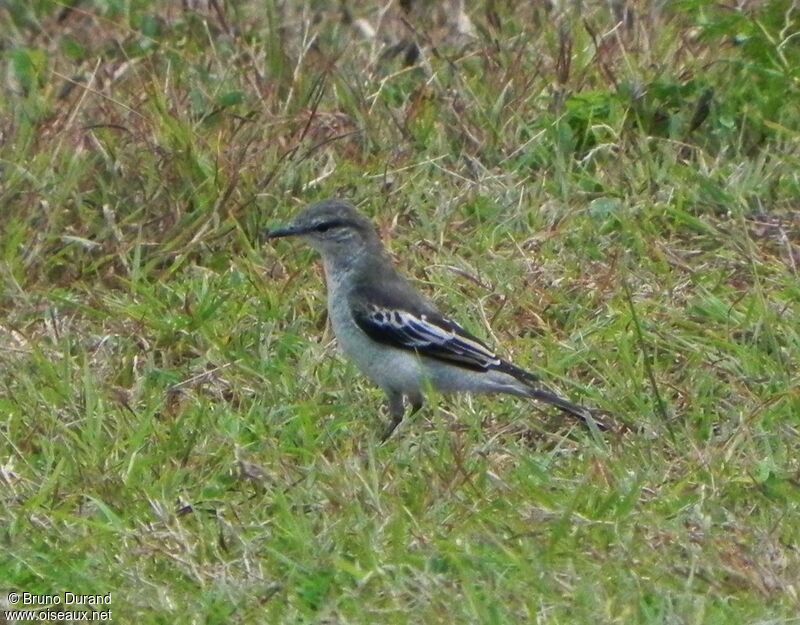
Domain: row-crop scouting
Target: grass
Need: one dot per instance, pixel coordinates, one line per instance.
(614, 190)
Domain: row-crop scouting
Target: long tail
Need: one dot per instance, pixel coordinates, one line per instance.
(559, 402)
(536, 390)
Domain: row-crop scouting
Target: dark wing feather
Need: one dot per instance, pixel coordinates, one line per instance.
(405, 320)
(397, 315)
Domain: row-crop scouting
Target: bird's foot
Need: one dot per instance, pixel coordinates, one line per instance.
(391, 427)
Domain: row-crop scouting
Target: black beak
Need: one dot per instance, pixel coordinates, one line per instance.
(287, 231)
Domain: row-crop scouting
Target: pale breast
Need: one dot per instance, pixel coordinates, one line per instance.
(388, 367)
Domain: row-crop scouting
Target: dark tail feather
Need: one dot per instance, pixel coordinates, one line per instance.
(593, 424)
(536, 391)
(559, 402)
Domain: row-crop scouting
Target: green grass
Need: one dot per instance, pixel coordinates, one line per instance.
(620, 204)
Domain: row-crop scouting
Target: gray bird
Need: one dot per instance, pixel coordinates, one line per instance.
(395, 335)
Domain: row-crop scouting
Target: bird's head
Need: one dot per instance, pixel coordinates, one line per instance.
(334, 228)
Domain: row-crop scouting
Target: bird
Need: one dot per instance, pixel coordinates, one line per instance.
(396, 336)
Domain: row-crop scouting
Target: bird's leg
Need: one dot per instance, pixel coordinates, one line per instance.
(396, 412)
(416, 404)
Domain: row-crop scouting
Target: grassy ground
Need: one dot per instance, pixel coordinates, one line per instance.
(615, 190)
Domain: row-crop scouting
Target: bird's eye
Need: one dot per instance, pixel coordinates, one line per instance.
(323, 227)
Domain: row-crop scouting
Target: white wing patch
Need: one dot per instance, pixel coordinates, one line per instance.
(422, 334)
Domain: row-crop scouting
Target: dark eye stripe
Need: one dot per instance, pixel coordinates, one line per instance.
(329, 225)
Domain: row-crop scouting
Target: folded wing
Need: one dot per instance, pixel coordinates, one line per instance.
(417, 326)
